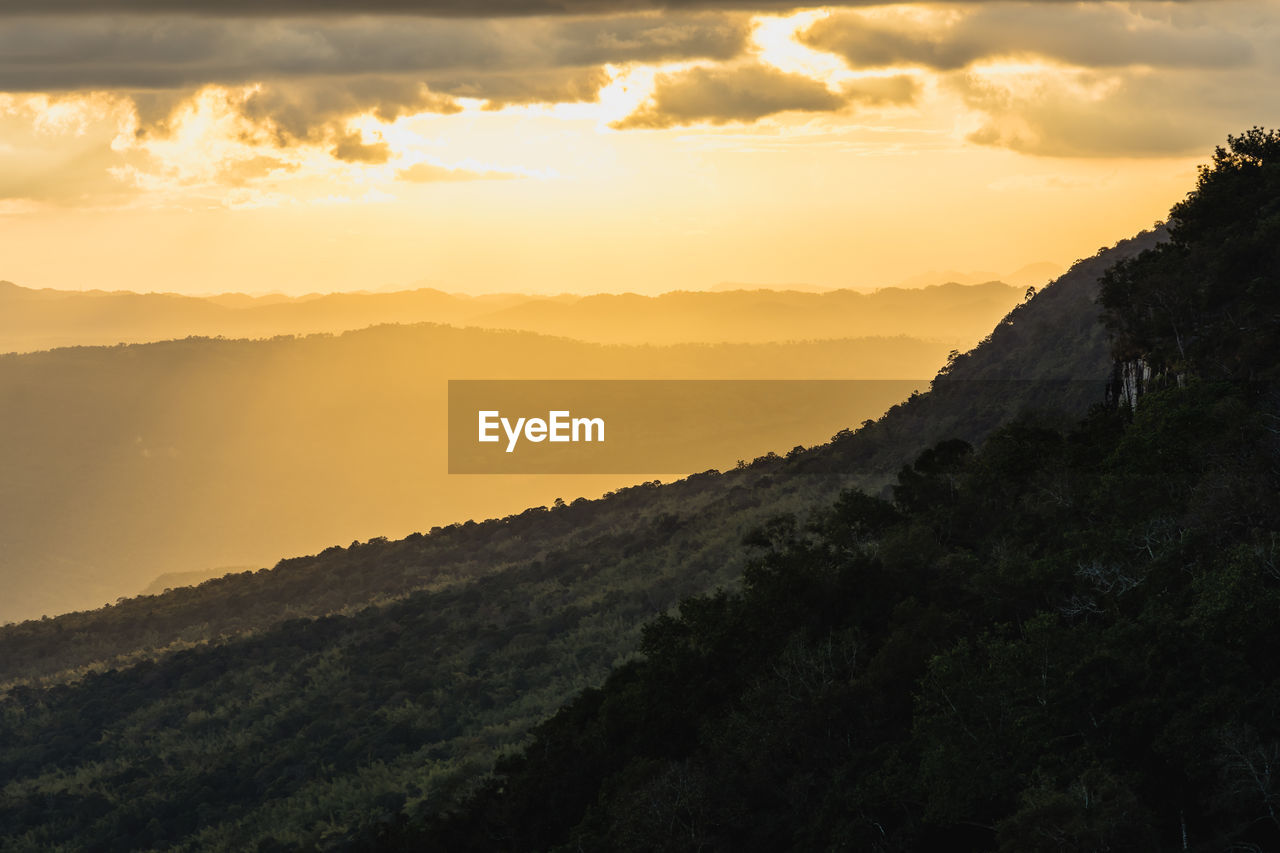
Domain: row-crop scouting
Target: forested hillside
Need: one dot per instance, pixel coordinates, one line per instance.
(439, 651)
(410, 666)
(982, 388)
(1059, 641)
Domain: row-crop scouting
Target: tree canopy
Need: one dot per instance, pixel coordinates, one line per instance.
(1208, 301)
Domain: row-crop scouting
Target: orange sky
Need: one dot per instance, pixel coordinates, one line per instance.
(616, 148)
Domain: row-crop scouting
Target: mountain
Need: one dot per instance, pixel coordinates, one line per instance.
(723, 286)
(1059, 641)
(1030, 275)
(42, 319)
(171, 580)
(122, 463)
(320, 702)
(941, 311)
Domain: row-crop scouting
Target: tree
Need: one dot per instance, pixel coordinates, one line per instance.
(1208, 300)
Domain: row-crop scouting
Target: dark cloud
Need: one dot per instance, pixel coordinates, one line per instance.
(310, 111)
(155, 108)
(651, 38)
(351, 148)
(433, 8)
(877, 91)
(427, 8)
(40, 54)
(1086, 35)
(874, 44)
(268, 8)
(307, 110)
(312, 74)
(555, 86)
(133, 52)
(315, 72)
(722, 95)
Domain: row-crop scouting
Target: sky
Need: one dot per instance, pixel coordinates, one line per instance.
(601, 145)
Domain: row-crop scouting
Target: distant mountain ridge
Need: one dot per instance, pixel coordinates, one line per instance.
(122, 463)
(43, 319)
(939, 311)
(1030, 275)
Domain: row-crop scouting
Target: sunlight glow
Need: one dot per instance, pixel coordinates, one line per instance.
(775, 40)
(732, 181)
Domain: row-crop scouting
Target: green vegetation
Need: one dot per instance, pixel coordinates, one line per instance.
(323, 731)
(1054, 356)
(1062, 641)
(1005, 374)
(1057, 641)
(1208, 297)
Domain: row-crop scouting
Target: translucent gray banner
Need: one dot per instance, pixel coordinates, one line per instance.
(648, 427)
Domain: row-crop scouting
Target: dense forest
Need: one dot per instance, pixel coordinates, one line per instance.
(1059, 641)
(319, 703)
(1041, 633)
(420, 661)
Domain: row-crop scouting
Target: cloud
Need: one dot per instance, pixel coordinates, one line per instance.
(426, 8)
(1122, 113)
(720, 95)
(351, 148)
(239, 173)
(556, 86)
(304, 112)
(288, 113)
(1080, 80)
(1083, 34)
(898, 90)
(310, 75)
(1132, 79)
(651, 38)
(436, 8)
(179, 51)
(428, 173)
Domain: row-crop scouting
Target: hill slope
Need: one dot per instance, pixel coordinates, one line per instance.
(122, 463)
(321, 731)
(986, 387)
(1060, 642)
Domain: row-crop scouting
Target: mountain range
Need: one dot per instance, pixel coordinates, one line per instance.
(954, 314)
(317, 703)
